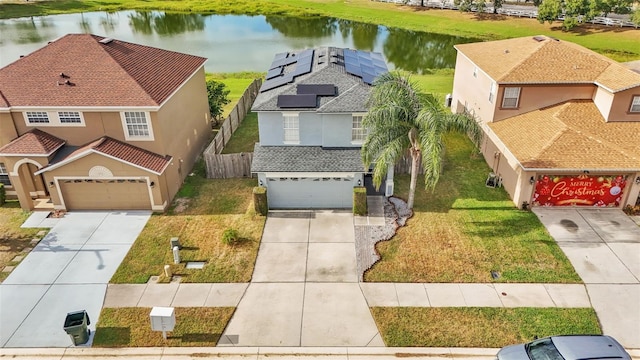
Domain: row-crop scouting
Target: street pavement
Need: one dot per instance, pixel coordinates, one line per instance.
(67, 271)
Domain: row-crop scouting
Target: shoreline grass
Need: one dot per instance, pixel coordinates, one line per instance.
(479, 327)
(618, 43)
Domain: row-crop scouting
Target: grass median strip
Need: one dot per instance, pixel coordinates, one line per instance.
(13, 238)
(131, 327)
(463, 231)
(479, 327)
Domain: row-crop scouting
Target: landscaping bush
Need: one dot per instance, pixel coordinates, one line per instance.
(2, 194)
(260, 200)
(230, 237)
(359, 200)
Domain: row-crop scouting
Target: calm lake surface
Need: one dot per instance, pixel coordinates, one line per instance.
(233, 43)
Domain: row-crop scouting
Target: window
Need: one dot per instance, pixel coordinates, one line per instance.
(358, 132)
(291, 130)
(137, 125)
(492, 92)
(37, 117)
(4, 175)
(511, 97)
(69, 117)
(635, 104)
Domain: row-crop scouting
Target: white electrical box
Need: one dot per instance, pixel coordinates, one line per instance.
(162, 318)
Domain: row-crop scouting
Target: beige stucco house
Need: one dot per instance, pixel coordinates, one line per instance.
(88, 122)
(561, 122)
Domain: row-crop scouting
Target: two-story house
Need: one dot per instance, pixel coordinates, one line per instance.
(561, 122)
(88, 122)
(310, 110)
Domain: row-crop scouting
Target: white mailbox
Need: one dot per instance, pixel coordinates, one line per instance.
(163, 319)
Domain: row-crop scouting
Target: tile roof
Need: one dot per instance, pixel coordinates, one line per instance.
(114, 73)
(115, 149)
(352, 92)
(34, 142)
(305, 159)
(571, 135)
(526, 60)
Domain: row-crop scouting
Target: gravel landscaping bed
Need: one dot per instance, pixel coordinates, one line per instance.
(396, 214)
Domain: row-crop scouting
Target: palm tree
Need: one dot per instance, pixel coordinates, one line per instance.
(402, 118)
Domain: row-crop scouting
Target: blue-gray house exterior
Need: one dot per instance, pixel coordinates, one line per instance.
(310, 110)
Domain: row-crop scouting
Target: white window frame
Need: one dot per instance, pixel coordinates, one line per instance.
(70, 115)
(511, 93)
(3, 173)
(125, 126)
(291, 128)
(53, 118)
(29, 116)
(358, 134)
(635, 104)
(492, 92)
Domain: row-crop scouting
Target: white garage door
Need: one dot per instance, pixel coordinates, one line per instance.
(91, 194)
(310, 193)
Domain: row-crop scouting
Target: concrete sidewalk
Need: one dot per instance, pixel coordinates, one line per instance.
(375, 294)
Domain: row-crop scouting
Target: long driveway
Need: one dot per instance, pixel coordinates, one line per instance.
(603, 246)
(304, 290)
(67, 271)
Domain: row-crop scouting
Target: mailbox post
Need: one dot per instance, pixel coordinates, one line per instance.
(163, 319)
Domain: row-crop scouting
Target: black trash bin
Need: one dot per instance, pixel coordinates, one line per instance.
(76, 325)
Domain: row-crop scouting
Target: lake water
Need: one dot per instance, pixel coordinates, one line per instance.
(233, 42)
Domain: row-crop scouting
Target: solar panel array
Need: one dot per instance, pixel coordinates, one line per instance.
(297, 101)
(364, 64)
(276, 75)
(318, 89)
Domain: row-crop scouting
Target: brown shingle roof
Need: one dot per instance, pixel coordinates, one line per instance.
(116, 73)
(132, 154)
(34, 142)
(527, 60)
(571, 135)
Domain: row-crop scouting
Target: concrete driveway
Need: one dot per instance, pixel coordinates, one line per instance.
(67, 271)
(304, 290)
(603, 246)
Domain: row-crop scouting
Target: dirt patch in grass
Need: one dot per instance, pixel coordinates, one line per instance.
(13, 238)
(479, 327)
(463, 231)
(130, 327)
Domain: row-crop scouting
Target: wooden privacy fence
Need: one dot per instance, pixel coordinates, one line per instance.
(231, 165)
(403, 165)
(224, 166)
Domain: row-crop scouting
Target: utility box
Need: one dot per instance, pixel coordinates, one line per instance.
(175, 241)
(163, 319)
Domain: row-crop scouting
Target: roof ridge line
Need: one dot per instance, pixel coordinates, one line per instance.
(543, 44)
(337, 97)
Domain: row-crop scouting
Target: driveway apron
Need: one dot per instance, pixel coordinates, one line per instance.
(603, 246)
(67, 271)
(304, 290)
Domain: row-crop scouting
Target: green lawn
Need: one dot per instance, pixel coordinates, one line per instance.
(203, 209)
(479, 327)
(619, 43)
(13, 238)
(463, 230)
(245, 136)
(236, 83)
(130, 327)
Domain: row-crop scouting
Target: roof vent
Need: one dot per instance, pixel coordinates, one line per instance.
(105, 40)
(506, 51)
(539, 38)
(64, 76)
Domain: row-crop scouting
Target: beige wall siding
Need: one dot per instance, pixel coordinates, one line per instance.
(622, 104)
(603, 100)
(533, 97)
(183, 126)
(7, 129)
(472, 90)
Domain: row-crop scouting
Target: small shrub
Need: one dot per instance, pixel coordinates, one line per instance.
(230, 237)
(260, 200)
(2, 194)
(360, 200)
(632, 210)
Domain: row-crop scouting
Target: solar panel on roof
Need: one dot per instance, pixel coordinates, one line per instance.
(274, 73)
(317, 89)
(297, 101)
(276, 82)
(368, 78)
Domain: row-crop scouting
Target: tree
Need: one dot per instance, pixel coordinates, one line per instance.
(400, 118)
(217, 94)
(635, 17)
